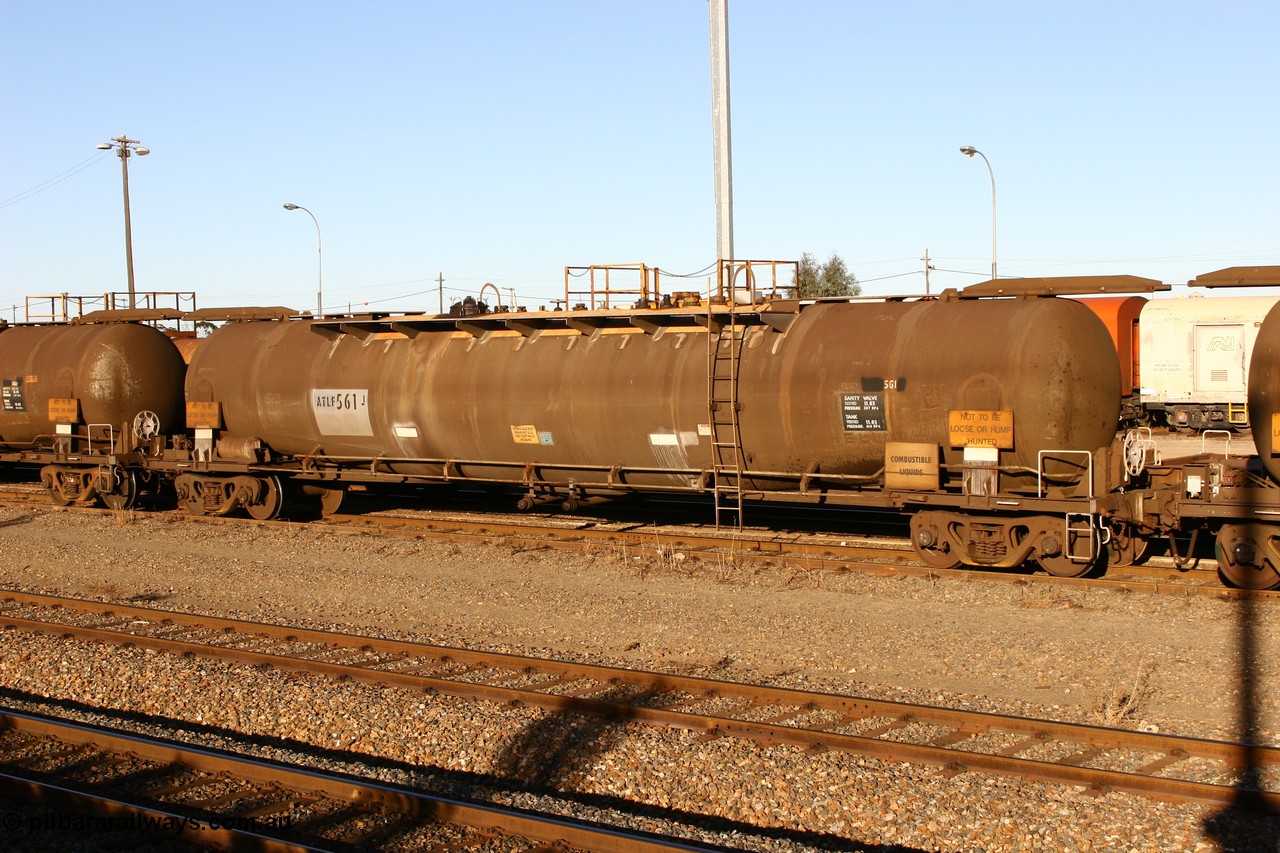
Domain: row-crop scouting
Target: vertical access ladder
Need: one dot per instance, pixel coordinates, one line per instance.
(724, 351)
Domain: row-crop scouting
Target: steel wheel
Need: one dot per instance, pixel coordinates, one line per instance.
(1247, 558)
(330, 497)
(269, 502)
(1061, 566)
(123, 493)
(929, 545)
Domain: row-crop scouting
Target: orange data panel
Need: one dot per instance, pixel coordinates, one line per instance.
(204, 415)
(980, 428)
(64, 410)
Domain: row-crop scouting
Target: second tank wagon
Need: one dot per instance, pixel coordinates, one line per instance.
(939, 404)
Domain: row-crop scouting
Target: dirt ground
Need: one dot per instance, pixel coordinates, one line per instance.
(1151, 661)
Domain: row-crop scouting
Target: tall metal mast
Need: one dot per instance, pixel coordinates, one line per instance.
(721, 127)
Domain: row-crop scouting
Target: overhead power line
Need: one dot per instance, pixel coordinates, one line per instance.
(55, 180)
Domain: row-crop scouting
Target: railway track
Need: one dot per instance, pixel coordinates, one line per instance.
(214, 798)
(804, 552)
(956, 741)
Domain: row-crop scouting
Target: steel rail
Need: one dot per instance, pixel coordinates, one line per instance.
(765, 714)
(283, 787)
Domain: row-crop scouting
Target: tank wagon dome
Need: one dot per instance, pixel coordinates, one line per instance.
(110, 372)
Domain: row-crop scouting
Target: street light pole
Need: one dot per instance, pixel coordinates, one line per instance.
(126, 148)
(319, 256)
(969, 151)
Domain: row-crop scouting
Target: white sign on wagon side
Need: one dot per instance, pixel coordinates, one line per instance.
(341, 411)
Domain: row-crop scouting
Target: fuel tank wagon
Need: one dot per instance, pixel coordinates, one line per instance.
(815, 392)
(94, 376)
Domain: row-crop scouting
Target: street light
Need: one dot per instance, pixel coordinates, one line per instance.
(319, 256)
(969, 151)
(126, 148)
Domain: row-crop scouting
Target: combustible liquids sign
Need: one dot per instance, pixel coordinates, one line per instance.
(910, 465)
(341, 411)
(1275, 433)
(977, 428)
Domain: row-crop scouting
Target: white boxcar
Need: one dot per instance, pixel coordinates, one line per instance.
(1194, 358)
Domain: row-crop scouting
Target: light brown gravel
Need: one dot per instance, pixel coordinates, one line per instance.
(1155, 662)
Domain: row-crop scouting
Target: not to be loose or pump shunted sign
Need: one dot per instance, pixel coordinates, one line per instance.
(980, 428)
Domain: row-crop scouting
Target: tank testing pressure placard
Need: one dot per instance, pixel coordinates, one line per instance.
(863, 412)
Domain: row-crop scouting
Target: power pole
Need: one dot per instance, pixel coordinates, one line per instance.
(721, 127)
(126, 148)
(927, 266)
(440, 285)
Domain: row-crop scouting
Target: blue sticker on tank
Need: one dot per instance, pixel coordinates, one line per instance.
(545, 438)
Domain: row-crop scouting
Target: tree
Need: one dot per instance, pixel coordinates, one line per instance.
(830, 279)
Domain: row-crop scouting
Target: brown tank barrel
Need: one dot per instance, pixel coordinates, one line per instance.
(624, 397)
(1264, 391)
(113, 370)
(1049, 362)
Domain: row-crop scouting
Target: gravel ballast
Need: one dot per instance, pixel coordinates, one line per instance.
(1143, 661)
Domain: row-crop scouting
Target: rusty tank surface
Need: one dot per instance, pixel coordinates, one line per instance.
(1264, 392)
(819, 389)
(98, 375)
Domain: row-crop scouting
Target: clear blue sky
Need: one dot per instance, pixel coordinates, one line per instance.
(499, 141)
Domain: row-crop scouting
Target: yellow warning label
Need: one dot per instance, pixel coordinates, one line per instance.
(978, 428)
(204, 415)
(524, 434)
(64, 410)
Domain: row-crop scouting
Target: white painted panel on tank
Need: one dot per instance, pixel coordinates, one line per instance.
(341, 411)
(1219, 357)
